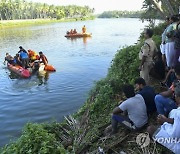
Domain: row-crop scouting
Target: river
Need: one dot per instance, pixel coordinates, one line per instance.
(79, 63)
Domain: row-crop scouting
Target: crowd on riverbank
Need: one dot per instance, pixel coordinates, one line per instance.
(134, 112)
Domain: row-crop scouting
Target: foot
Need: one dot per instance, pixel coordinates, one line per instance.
(107, 130)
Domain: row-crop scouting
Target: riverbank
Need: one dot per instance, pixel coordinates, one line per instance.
(84, 131)
(29, 22)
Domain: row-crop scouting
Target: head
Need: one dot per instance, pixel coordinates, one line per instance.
(173, 18)
(128, 91)
(7, 54)
(177, 70)
(40, 53)
(20, 47)
(17, 55)
(148, 33)
(177, 94)
(140, 83)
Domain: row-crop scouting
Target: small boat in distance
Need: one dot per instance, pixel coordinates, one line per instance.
(78, 35)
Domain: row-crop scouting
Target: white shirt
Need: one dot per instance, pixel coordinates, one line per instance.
(172, 131)
(136, 109)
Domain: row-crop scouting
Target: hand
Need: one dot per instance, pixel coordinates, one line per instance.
(161, 119)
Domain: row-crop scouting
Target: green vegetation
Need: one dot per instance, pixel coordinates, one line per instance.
(84, 131)
(121, 14)
(35, 139)
(160, 8)
(18, 9)
(28, 22)
(17, 13)
(151, 10)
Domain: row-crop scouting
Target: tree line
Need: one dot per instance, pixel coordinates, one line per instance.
(21, 9)
(118, 14)
(151, 9)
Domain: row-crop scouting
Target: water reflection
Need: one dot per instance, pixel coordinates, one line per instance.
(13, 75)
(37, 79)
(74, 39)
(43, 77)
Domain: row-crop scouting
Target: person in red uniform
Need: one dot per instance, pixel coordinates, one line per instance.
(43, 58)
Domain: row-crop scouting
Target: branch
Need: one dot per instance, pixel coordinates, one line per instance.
(159, 8)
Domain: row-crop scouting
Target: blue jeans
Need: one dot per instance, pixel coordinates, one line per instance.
(124, 120)
(164, 105)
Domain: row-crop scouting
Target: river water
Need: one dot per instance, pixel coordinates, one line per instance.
(79, 63)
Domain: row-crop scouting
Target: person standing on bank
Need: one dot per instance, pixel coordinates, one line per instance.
(170, 51)
(146, 55)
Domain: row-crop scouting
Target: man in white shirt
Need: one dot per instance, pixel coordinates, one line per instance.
(134, 106)
(169, 133)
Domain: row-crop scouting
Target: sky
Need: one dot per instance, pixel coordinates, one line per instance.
(99, 5)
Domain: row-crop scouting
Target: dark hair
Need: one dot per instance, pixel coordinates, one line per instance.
(174, 18)
(20, 47)
(40, 52)
(149, 32)
(140, 81)
(177, 68)
(128, 91)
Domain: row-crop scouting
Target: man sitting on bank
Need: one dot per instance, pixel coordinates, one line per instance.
(147, 93)
(165, 100)
(134, 106)
(169, 132)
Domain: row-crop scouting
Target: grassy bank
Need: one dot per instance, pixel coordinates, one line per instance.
(29, 22)
(84, 131)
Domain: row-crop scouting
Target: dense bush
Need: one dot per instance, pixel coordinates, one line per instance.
(35, 139)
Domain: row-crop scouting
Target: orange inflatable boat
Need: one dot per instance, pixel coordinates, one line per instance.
(49, 68)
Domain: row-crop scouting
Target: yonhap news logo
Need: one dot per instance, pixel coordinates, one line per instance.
(167, 140)
(143, 140)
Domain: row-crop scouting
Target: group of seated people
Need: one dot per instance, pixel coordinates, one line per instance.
(134, 112)
(71, 32)
(26, 59)
(75, 31)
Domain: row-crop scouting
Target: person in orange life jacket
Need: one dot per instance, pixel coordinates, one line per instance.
(43, 58)
(84, 29)
(32, 55)
(74, 31)
(71, 31)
